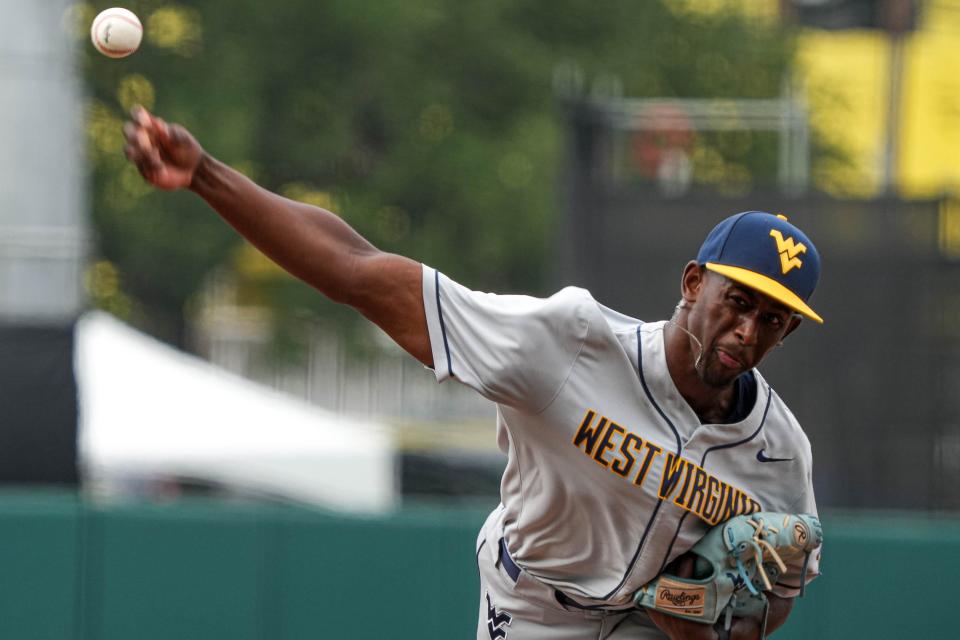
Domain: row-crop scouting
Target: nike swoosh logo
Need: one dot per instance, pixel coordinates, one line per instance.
(762, 457)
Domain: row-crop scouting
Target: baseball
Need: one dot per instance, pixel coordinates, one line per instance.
(116, 32)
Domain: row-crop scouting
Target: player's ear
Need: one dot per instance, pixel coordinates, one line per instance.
(692, 281)
(794, 322)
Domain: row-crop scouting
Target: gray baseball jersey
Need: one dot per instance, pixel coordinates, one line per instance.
(610, 474)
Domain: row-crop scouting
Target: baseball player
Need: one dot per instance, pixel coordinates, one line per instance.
(626, 441)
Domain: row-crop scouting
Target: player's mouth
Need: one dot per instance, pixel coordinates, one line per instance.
(728, 360)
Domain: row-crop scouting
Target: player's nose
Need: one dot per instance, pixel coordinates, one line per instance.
(746, 329)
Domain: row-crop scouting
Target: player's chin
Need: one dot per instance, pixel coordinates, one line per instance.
(718, 375)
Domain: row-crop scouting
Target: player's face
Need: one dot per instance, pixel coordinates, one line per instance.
(737, 327)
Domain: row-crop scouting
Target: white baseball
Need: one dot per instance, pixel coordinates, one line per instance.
(116, 32)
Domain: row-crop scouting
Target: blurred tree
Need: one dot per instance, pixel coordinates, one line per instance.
(429, 125)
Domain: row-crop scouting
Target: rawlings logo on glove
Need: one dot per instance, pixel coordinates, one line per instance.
(736, 562)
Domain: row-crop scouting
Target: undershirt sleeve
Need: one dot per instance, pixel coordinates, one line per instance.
(514, 350)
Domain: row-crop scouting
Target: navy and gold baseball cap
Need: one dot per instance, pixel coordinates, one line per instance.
(768, 254)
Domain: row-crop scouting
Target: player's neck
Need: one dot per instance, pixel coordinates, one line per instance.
(711, 404)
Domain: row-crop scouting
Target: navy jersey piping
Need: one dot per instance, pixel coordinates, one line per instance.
(676, 434)
(703, 460)
(479, 570)
(646, 390)
(753, 435)
(443, 327)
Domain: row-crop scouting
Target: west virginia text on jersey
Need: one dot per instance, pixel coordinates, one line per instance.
(690, 487)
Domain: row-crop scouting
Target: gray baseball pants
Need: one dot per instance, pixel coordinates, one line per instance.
(516, 606)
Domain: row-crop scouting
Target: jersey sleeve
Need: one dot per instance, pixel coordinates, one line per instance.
(514, 350)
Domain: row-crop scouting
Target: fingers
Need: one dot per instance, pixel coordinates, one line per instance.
(140, 115)
(137, 134)
(129, 131)
(166, 155)
(146, 130)
(176, 134)
(148, 163)
(142, 127)
(162, 130)
(132, 153)
(140, 148)
(157, 126)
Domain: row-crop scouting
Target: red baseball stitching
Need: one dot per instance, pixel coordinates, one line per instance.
(96, 32)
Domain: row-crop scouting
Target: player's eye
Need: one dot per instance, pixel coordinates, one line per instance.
(740, 301)
(774, 320)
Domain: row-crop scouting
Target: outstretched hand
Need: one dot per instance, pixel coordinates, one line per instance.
(166, 155)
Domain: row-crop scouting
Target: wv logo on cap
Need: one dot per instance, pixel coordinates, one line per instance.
(788, 251)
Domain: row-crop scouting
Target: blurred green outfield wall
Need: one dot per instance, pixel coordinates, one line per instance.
(209, 570)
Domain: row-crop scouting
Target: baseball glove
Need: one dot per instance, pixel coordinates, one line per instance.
(736, 562)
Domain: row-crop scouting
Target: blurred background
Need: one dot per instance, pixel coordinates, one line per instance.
(193, 444)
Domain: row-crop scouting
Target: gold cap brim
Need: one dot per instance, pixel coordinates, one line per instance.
(767, 286)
